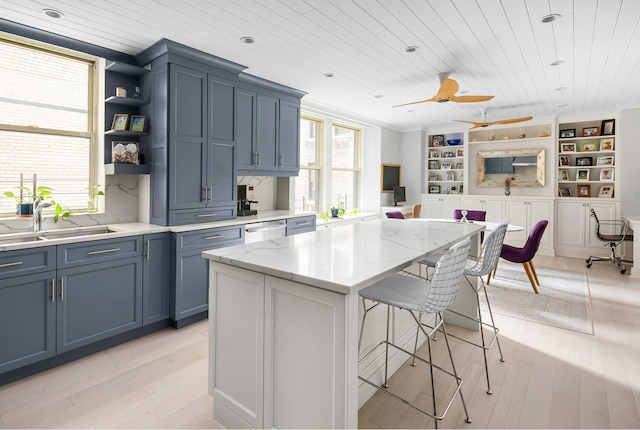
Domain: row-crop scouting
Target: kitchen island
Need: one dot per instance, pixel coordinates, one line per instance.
(284, 319)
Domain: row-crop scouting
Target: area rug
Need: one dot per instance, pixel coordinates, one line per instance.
(563, 300)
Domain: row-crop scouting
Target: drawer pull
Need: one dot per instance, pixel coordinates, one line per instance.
(103, 251)
(148, 251)
(17, 263)
(219, 236)
(206, 215)
(302, 224)
(62, 288)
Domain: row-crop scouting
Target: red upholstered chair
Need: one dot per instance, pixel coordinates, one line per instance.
(395, 214)
(525, 254)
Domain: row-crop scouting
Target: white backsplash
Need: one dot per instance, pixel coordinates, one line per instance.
(264, 190)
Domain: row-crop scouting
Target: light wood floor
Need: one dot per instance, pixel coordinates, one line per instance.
(552, 378)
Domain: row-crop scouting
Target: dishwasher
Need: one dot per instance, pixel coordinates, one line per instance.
(258, 231)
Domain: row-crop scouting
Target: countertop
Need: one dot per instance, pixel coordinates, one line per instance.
(347, 257)
(138, 228)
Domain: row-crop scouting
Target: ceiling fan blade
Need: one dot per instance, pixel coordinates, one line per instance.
(471, 99)
(414, 103)
(475, 124)
(512, 120)
(447, 89)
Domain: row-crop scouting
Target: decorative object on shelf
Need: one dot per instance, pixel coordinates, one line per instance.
(121, 92)
(434, 177)
(434, 189)
(124, 152)
(565, 192)
(460, 189)
(606, 174)
(606, 144)
(447, 93)
(137, 95)
(460, 153)
(570, 132)
(445, 166)
(447, 154)
(454, 142)
(137, 123)
(435, 154)
(485, 123)
(563, 175)
(568, 147)
(120, 121)
(608, 127)
(521, 134)
(544, 134)
(564, 160)
(451, 176)
(433, 165)
(582, 175)
(589, 146)
(491, 136)
(506, 137)
(507, 185)
(459, 166)
(584, 190)
(584, 161)
(606, 191)
(590, 131)
(437, 140)
(605, 161)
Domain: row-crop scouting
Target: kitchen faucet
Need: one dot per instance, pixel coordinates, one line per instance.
(37, 213)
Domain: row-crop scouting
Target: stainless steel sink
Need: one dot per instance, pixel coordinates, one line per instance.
(13, 238)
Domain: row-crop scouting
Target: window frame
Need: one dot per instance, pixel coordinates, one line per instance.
(320, 167)
(357, 158)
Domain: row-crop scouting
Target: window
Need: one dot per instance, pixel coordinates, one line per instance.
(345, 167)
(307, 184)
(47, 123)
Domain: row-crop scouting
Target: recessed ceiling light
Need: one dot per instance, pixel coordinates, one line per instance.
(328, 75)
(561, 106)
(247, 39)
(557, 63)
(561, 88)
(411, 49)
(411, 110)
(378, 96)
(550, 18)
(52, 13)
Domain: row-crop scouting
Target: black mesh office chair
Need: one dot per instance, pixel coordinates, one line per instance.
(612, 233)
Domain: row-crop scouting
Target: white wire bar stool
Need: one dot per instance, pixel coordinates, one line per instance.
(420, 296)
(479, 267)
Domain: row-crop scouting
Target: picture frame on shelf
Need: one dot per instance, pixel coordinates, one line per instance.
(606, 144)
(565, 192)
(434, 154)
(563, 175)
(120, 121)
(606, 174)
(459, 166)
(451, 176)
(567, 147)
(584, 161)
(445, 166)
(460, 153)
(608, 127)
(591, 131)
(582, 175)
(570, 132)
(590, 146)
(564, 160)
(606, 191)
(584, 190)
(434, 178)
(137, 123)
(605, 161)
(437, 140)
(434, 164)
(434, 189)
(447, 154)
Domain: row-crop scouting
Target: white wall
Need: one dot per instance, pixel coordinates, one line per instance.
(412, 170)
(628, 161)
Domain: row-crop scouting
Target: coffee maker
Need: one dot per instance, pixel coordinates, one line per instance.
(244, 203)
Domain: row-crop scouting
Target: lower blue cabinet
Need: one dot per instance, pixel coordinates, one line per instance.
(156, 278)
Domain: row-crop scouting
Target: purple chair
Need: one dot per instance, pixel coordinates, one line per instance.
(471, 215)
(395, 214)
(525, 254)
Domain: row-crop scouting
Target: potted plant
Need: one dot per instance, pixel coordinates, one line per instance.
(26, 197)
(337, 212)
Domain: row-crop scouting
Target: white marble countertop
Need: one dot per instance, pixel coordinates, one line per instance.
(348, 257)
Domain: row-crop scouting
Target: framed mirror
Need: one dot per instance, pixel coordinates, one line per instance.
(525, 166)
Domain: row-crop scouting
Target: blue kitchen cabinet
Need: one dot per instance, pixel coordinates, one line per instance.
(191, 270)
(156, 273)
(301, 225)
(289, 137)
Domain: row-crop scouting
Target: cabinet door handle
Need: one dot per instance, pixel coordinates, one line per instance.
(17, 263)
(281, 160)
(218, 236)
(53, 290)
(257, 158)
(62, 288)
(209, 194)
(103, 251)
(148, 249)
(203, 194)
(207, 215)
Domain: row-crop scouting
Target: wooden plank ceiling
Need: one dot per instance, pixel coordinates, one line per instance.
(496, 47)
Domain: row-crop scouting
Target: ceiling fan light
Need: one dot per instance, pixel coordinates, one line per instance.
(550, 18)
(52, 13)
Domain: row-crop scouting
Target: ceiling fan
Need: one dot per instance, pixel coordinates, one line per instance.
(447, 93)
(485, 123)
